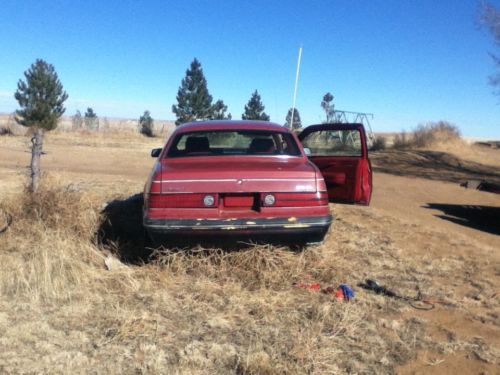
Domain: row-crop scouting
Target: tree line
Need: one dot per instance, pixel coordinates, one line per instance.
(194, 102)
(41, 98)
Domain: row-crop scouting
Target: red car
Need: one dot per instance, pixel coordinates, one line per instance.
(247, 178)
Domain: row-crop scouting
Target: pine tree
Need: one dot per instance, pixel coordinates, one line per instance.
(254, 109)
(91, 119)
(193, 100)
(41, 98)
(146, 124)
(297, 123)
(219, 111)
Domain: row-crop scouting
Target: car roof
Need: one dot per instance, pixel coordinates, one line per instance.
(231, 125)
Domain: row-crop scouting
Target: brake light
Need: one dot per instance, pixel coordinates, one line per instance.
(182, 201)
(296, 199)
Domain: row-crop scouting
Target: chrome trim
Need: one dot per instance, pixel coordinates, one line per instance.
(238, 179)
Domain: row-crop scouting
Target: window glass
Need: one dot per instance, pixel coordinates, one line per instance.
(233, 142)
(334, 143)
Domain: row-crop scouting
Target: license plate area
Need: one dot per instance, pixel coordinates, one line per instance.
(241, 201)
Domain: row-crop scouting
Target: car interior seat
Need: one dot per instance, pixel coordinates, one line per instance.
(262, 146)
(197, 145)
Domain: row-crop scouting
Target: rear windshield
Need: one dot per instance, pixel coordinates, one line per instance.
(334, 143)
(233, 142)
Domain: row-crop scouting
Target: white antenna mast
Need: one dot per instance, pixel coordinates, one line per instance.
(296, 84)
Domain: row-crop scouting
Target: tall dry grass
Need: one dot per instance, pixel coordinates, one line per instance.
(47, 250)
(434, 133)
(189, 311)
(195, 311)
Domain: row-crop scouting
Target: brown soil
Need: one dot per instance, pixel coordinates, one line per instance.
(425, 231)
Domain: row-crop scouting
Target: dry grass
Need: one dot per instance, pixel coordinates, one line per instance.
(430, 135)
(195, 311)
(213, 311)
(114, 139)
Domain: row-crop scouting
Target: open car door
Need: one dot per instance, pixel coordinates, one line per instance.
(341, 153)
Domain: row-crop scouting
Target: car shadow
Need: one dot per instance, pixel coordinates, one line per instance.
(483, 218)
(121, 230)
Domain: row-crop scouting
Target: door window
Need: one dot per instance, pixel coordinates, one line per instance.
(334, 143)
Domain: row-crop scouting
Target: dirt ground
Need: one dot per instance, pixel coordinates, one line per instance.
(424, 232)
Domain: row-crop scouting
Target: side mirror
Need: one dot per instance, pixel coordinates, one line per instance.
(307, 151)
(155, 152)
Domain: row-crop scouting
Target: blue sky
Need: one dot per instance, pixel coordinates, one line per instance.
(406, 61)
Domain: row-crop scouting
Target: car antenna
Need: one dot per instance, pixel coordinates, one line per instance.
(297, 72)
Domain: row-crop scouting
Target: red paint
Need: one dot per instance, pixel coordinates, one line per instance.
(177, 185)
(348, 177)
(239, 200)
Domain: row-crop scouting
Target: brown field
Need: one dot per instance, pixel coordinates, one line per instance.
(213, 311)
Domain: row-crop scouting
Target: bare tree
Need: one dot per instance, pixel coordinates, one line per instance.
(490, 19)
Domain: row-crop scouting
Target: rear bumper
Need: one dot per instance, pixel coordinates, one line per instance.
(317, 225)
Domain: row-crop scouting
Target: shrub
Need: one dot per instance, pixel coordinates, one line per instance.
(77, 121)
(146, 124)
(380, 143)
(427, 135)
(434, 132)
(5, 130)
(91, 120)
(401, 141)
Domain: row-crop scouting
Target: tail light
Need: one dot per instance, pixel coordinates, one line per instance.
(183, 200)
(320, 182)
(319, 198)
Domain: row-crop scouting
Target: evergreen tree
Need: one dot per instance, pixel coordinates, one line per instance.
(328, 107)
(41, 98)
(77, 120)
(254, 109)
(91, 120)
(193, 100)
(297, 123)
(219, 111)
(146, 124)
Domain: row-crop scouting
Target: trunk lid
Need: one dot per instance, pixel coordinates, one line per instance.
(237, 174)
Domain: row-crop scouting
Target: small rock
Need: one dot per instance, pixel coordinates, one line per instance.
(112, 263)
